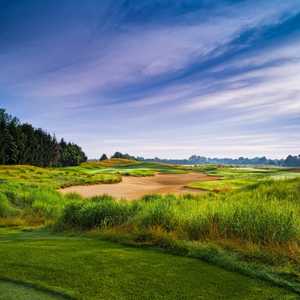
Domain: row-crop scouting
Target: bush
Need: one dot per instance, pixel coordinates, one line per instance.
(98, 212)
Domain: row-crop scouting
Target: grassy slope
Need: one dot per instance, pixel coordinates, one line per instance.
(92, 269)
(27, 193)
(132, 168)
(52, 177)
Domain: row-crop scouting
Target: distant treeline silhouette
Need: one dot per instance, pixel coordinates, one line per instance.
(23, 144)
(290, 161)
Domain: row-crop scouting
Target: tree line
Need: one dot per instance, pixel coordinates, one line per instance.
(21, 143)
(118, 155)
(289, 161)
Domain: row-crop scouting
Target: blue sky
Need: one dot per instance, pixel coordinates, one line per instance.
(166, 78)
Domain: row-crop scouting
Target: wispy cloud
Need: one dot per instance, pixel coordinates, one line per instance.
(187, 68)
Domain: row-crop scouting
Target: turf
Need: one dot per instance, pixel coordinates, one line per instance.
(256, 222)
(222, 185)
(86, 268)
(232, 178)
(13, 291)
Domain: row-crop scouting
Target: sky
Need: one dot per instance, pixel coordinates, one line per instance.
(166, 78)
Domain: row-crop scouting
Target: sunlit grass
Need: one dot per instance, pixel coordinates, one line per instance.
(221, 185)
(249, 209)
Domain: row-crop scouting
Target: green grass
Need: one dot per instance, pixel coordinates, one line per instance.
(135, 168)
(159, 167)
(110, 163)
(254, 217)
(259, 223)
(13, 291)
(231, 178)
(52, 177)
(85, 268)
(263, 214)
(221, 185)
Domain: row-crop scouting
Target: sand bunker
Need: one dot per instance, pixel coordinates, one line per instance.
(135, 187)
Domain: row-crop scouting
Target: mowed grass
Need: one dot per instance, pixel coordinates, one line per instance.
(84, 268)
(18, 291)
(232, 178)
(221, 185)
(131, 168)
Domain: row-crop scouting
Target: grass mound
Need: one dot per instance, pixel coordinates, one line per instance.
(109, 163)
(52, 177)
(86, 268)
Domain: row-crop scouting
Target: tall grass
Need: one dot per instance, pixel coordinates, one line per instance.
(253, 221)
(264, 214)
(98, 212)
(32, 202)
(267, 212)
(6, 210)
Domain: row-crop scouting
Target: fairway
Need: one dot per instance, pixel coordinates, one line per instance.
(84, 268)
(13, 291)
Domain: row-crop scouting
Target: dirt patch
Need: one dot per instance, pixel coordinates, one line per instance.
(136, 187)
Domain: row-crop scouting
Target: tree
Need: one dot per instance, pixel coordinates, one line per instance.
(71, 154)
(103, 157)
(292, 161)
(24, 144)
(124, 156)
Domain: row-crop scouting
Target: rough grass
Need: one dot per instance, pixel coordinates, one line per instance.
(85, 268)
(261, 223)
(231, 178)
(109, 163)
(263, 216)
(252, 215)
(52, 177)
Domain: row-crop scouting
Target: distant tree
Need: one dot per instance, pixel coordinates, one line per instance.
(71, 154)
(103, 157)
(292, 161)
(121, 155)
(117, 155)
(23, 144)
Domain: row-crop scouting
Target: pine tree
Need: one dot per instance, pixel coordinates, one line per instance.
(103, 157)
(23, 144)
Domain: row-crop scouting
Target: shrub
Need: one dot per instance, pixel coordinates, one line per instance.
(99, 212)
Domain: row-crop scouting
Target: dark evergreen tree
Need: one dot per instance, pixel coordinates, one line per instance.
(103, 157)
(23, 144)
(124, 156)
(292, 161)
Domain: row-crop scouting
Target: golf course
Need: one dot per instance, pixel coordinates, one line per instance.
(150, 149)
(174, 232)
